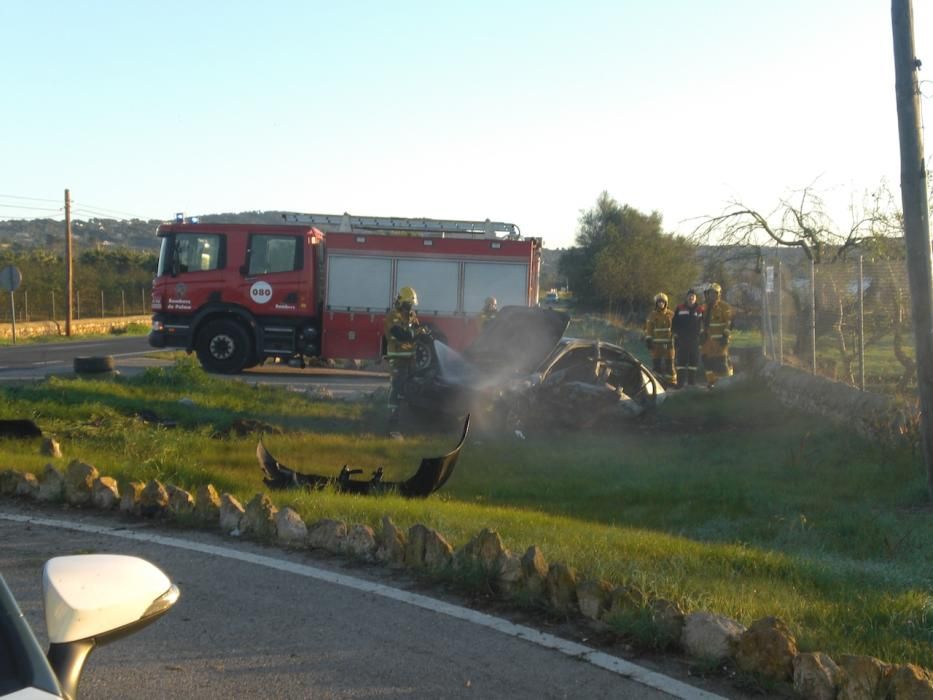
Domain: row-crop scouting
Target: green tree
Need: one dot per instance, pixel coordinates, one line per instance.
(623, 258)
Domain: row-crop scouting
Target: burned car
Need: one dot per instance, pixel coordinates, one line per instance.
(521, 373)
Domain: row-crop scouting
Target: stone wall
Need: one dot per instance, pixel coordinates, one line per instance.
(867, 413)
(78, 327)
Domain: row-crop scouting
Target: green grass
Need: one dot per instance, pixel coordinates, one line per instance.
(723, 501)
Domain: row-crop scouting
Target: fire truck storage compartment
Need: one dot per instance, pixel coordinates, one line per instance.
(436, 282)
(507, 282)
(359, 283)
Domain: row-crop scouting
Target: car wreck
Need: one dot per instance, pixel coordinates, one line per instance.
(522, 373)
(432, 474)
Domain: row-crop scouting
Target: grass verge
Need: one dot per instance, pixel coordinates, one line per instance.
(722, 501)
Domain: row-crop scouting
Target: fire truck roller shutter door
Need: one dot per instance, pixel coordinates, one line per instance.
(359, 283)
(507, 282)
(436, 282)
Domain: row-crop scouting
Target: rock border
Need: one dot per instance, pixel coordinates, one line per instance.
(766, 649)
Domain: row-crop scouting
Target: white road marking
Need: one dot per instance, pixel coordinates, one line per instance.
(581, 652)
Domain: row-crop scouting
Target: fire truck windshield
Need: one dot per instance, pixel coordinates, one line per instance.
(190, 252)
(165, 256)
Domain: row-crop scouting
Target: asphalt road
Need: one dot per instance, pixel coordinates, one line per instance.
(37, 356)
(25, 362)
(257, 622)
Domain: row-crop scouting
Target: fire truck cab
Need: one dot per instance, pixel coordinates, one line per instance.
(320, 285)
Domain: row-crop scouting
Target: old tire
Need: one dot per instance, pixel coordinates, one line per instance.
(223, 347)
(96, 364)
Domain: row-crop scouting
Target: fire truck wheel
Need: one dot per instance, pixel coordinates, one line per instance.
(223, 347)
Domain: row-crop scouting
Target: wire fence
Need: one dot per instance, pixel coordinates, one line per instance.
(849, 321)
(93, 303)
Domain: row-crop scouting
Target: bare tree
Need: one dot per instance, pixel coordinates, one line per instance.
(799, 221)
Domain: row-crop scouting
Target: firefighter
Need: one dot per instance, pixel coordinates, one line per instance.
(490, 309)
(659, 339)
(717, 332)
(401, 327)
(687, 326)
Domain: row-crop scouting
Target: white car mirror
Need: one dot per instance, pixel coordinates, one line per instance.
(96, 595)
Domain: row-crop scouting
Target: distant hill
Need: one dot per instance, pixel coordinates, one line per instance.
(135, 234)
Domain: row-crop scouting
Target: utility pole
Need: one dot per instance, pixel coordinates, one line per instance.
(69, 281)
(916, 216)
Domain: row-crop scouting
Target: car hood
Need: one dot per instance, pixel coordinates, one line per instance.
(518, 339)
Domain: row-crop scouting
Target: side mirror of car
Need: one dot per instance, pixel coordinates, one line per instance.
(93, 599)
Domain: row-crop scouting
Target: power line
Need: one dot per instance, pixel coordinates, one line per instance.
(92, 209)
(32, 199)
(104, 210)
(94, 214)
(21, 206)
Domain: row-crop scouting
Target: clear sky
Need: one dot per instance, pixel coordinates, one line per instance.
(516, 111)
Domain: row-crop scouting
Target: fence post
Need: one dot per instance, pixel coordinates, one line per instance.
(13, 315)
(26, 306)
(764, 310)
(78, 304)
(142, 295)
(122, 303)
(52, 294)
(102, 314)
(861, 325)
(812, 317)
(780, 314)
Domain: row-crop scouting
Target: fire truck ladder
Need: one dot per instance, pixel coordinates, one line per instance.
(345, 223)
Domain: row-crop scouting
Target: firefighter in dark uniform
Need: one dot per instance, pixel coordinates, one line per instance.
(490, 309)
(717, 332)
(401, 327)
(687, 326)
(660, 341)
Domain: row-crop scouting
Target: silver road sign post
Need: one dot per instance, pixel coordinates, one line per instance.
(10, 279)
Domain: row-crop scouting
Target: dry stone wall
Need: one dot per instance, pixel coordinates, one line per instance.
(868, 414)
(31, 329)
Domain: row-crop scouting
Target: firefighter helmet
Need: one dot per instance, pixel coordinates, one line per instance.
(407, 295)
(660, 296)
(490, 304)
(714, 288)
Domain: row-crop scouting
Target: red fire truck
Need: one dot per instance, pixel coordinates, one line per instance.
(319, 285)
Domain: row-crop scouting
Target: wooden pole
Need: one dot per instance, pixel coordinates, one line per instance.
(916, 216)
(69, 281)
